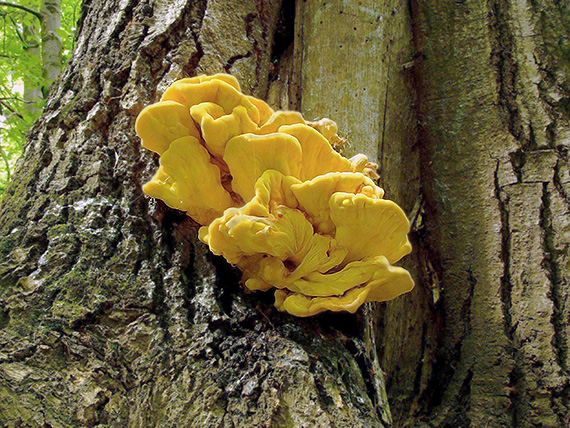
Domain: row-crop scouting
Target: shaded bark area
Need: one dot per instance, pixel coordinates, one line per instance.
(111, 311)
(469, 124)
(492, 96)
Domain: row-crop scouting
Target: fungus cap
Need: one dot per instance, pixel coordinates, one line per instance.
(160, 124)
(188, 181)
(248, 156)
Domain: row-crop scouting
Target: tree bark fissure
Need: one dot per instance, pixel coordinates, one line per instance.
(503, 56)
(370, 365)
(552, 264)
(535, 168)
(506, 294)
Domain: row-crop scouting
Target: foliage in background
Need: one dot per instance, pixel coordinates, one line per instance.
(20, 65)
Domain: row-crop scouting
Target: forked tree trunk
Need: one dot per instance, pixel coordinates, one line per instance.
(113, 314)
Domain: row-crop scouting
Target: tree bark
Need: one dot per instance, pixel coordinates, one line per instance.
(32, 91)
(483, 172)
(113, 314)
(51, 41)
(492, 88)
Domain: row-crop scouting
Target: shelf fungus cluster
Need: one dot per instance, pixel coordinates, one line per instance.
(274, 198)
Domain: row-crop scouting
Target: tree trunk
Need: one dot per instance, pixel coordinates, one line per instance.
(32, 90)
(51, 41)
(113, 314)
(483, 172)
(50, 46)
(493, 89)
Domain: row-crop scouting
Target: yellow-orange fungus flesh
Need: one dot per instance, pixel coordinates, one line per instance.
(274, 198)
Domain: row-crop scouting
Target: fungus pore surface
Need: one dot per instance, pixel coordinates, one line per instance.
(274, 198)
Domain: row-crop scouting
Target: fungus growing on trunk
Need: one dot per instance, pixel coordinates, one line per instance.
(274, 197)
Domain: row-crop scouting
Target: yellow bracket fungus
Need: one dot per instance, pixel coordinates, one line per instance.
(274, 197)
(274, 241)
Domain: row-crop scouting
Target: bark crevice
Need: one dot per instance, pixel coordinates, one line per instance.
(506, 293)
(504, 62)
(552, 265)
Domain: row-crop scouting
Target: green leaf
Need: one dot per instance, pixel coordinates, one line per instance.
(61, 32)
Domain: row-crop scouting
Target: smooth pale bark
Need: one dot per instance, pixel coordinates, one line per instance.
(51, 41)
(46, 46)
(339, 49)
(32, 92)
(112, 313)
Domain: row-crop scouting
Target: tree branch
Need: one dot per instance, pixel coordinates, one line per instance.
(11, 109)
(22, 37)
(24, 8)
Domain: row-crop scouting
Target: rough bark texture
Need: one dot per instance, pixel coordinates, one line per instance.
(493, 90)
(112, 313)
